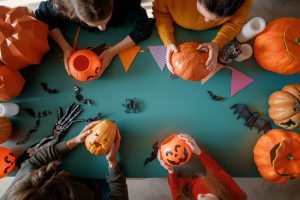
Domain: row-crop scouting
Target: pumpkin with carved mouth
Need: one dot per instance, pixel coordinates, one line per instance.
(7, 161)
(175, 151)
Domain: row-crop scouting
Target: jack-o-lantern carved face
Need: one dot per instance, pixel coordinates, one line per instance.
(175, 151)
(7, 161)
(84, 65)
(101, 138)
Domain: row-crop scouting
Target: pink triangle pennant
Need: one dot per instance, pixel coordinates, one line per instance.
(159, 55)
(239, 81)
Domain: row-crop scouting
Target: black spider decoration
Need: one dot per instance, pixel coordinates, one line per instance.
(131, 106)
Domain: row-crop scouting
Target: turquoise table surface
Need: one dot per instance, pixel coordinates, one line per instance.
(168, 106)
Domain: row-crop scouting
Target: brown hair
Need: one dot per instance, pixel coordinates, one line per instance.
(85, 10)
(45, 183)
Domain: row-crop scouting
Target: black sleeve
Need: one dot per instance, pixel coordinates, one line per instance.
(137, 17)
(117, 184)
(48, 15)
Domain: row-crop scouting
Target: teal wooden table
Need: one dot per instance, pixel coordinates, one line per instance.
(168, 106)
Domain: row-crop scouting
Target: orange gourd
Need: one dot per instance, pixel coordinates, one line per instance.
(5, 129)
(277, 49)
(11, 83)
(101, 138)
(23, 39)
(84, 65)
(189, 63)
(272, 155)
(175, 151)
(284, 107)
(7, 161)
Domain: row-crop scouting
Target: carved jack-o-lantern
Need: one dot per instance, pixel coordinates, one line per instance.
(175, 151)
(7, 161)
(84, 65)
(101, 137)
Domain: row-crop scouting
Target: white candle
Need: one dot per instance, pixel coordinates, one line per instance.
(247, 52)
(254, 27)
(9, 109)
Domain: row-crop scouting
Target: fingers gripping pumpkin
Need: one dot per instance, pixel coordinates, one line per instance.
(284, 107)
(7, 161)
(190, 63)
(5, 129)
(101, 137)
(175, 151)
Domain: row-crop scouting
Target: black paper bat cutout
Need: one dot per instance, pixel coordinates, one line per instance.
(37, 115)
(28, 135)
(153, 155)
(79, 97)
(98, 117)
(251, 119)
(215, 97)
(47, 89)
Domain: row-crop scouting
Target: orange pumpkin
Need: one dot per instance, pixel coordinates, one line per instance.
(284, 107)
(5, 129)
(189, 63)
(23, 39)
(175, 151)
(278, 168)
(84, 65)
(11, 83)
(7, 161)
(277, 49)
(101, 138)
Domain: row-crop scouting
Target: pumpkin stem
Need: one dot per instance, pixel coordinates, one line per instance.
(297, 40)
(290, 157)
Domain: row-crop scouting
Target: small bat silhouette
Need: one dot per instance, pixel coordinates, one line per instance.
(251, 119)
(48, 90)
(215, 97)
(153, 155)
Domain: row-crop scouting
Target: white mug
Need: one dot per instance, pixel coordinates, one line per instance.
(9, 109)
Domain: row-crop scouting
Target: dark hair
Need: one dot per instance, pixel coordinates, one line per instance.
(222, 8)
(85, 10)
(45, 183)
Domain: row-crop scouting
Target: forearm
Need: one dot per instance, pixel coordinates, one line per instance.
(117, 183)
(122, 45)
(72, 143)
(58, 37)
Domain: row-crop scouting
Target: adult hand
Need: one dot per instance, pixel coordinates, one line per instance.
(163, 164)
(68, 51)
(111, 156)
(106, 57)
(171, 48)
(213, 53)
(191, 142)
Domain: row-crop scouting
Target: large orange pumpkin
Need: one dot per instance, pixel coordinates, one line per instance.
(23, 39)
(11, 83)
(101, 138)
(5, 129)
(277, 49)
(175, 151)
(189, 63)
(277, 156)
(7, 161)
(84, 65)
(284, 107)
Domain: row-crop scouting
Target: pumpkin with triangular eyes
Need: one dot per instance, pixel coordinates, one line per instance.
(175, 151)
(7, 161)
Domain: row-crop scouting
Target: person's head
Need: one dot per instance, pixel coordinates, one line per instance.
(214, 10)
(95, 13)
(45, 183)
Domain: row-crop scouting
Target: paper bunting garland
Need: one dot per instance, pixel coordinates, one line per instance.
(159, 55)
(127, 56)
(239, 81)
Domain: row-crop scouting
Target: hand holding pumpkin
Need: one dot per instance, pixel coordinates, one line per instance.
(111, 156)
(191, 142)
(213, 51)
(170, 49)
(163, 164)
(67, 54)
(106, 57)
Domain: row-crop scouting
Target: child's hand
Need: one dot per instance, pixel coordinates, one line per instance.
(111, 156)
(213, 51)
(191, 142)
(106, 57)
(163, 164)
(67, 54)
(170, 49)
